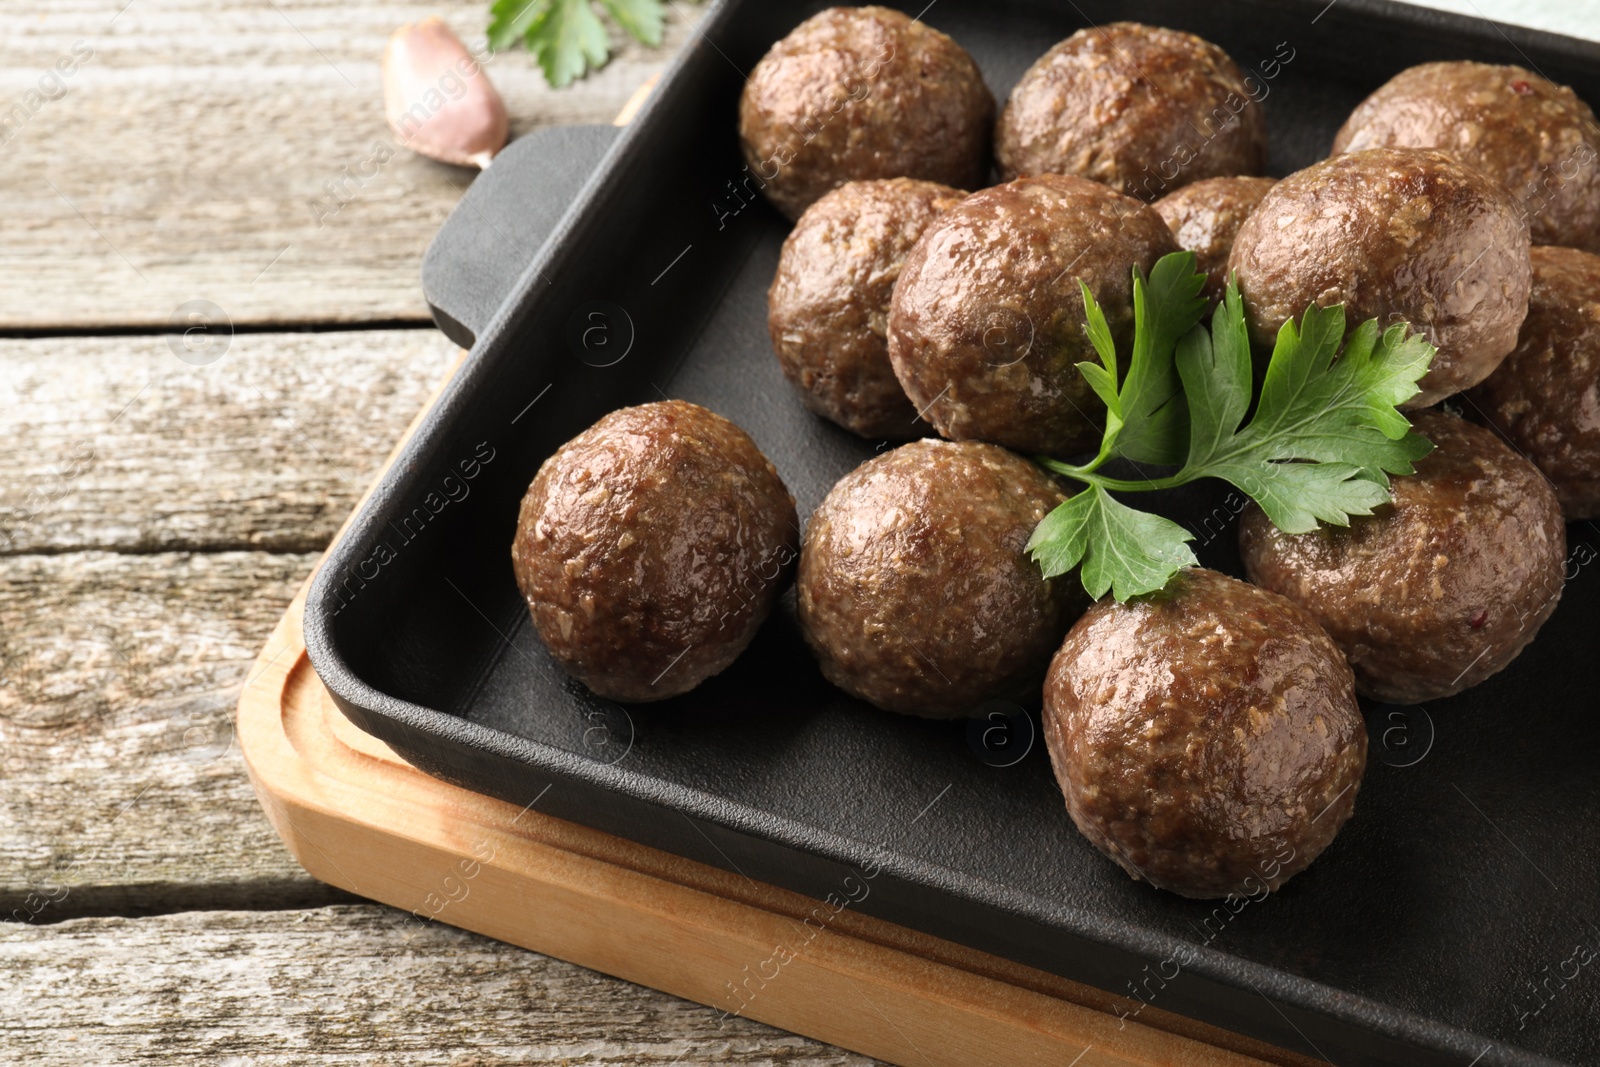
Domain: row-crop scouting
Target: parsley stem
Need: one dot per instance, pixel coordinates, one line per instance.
(1087, 475)
(1141, 486)
(1081, 473)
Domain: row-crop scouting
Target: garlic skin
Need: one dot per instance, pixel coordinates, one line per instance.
(438, 98)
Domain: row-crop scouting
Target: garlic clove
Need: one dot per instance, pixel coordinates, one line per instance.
(438, 98)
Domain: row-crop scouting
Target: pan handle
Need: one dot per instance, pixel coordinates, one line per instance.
(502, 221)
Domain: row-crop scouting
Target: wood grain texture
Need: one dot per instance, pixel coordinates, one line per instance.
(357, 984)
(121, 787)
(236, 152)
(121, 791)
(115, 443)
(358, 816)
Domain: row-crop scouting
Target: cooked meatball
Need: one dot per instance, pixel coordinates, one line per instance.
(1536, 138)
(650, 548)
(916, 591)
(1545, 398)
(863, 92)
(986, 322)
(1396, 234)
(1203, 218)
(828, 308)
(1207, 737)
(1139, 108)
(1441, 589)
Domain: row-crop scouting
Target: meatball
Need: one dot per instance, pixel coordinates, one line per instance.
(1207, 737)
(1203, 218)
(1536, 138)
(1441, 589)
(650, 548)
(1396, 234)
(863, 92)
(1545, 398)
(916, 591)
(828, 308)
(986, 325)
(1139, 108)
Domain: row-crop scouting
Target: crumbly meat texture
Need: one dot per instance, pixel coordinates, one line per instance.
(1139, 108)
(863, 92)
(986, 322)
(1545, 398)
(1207, 737)
(1535, 137)
(1205, 216)
(828, 308)
(650, 547)
(1396, 234)
(1441, 589)
(916, 591)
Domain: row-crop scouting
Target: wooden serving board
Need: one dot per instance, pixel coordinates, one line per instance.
(357, 816)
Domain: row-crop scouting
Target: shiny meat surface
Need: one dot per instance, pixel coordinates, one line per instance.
(1545, 398)
(828, 308)
(1441, 589)
(1536, 138)
(1400, 235)
(915, 589)
(1207, 737)
(650, 547)
(1205, 216)
(863, 92)
(986, 323)
(1141, 109)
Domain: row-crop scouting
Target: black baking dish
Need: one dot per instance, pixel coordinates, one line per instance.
(1440, 928)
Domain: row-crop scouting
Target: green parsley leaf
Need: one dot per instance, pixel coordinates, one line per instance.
(567, 41)
(1324, 439)
(1325, 435)
(640, 18)
(1155, 417)
(566, 36)
(1102, 376)
(1146, 418)
(1127, 551)
(510, 20)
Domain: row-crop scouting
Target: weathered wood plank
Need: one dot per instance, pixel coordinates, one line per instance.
(115, 443)
(343, 985)
(121, 789)
(88, 633)
(235, 152)
(183, 157)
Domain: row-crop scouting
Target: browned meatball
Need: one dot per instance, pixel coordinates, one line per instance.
(916, 591)
(828, 308)
(1207, 737)
(1203, 218)
(650, 548)
(863, 92)
(1139, 108)
(986, 323)
(1537, 138)
(1545, 398)
(1400, 235)
(1441, 589)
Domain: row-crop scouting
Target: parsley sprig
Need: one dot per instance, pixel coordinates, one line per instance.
(567, 37)
(1321, 445)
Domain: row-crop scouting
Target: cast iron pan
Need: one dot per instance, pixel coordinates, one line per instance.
(589, 269)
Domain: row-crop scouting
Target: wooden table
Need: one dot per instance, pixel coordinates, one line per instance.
(157, 514)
